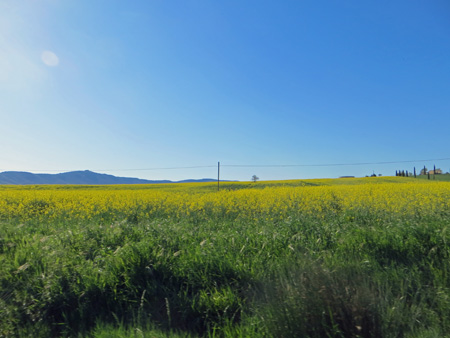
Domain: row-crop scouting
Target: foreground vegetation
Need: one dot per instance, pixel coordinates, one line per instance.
(314, 258)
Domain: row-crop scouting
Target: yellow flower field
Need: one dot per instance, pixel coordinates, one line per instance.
(265, 259)
(267, 200)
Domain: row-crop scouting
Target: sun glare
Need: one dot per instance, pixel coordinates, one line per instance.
(49, 58)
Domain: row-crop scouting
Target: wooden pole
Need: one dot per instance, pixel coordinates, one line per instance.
(218, 176)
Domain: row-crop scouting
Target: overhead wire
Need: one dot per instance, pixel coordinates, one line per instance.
(326, 164)
(249, 166)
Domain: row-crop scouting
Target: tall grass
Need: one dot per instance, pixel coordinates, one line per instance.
(374, 283)
(334, 272)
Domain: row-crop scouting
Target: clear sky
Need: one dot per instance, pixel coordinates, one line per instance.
(112, 85)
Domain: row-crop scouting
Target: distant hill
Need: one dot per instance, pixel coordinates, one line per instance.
(78, 177)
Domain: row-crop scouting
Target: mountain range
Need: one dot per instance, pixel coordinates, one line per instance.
(79, 177)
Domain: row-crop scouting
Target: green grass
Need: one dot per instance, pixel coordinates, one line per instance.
(305, 276)
(439, 177)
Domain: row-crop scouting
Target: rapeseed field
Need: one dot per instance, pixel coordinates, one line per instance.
(110, 203)
(362, 257)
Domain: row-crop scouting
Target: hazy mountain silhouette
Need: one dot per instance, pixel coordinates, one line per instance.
(78, 177)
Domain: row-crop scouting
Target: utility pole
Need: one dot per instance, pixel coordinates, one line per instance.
(218, 176)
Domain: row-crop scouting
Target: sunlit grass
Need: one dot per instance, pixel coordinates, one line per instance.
(351, 257)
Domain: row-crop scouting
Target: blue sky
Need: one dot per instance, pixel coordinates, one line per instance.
(116, 85)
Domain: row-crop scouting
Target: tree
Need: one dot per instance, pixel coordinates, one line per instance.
(424, 171)
(255, 178)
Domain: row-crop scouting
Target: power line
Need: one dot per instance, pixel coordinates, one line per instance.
(326, 164)
(250, 166)
(165, 168)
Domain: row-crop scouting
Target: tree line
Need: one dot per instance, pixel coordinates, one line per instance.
(423, 171)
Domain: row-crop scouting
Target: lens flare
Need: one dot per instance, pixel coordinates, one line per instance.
(49, 58)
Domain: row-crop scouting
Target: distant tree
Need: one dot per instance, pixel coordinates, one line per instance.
(424, 171)
(406, 173)
(415, 172)
(396, 173)
(255, 178)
